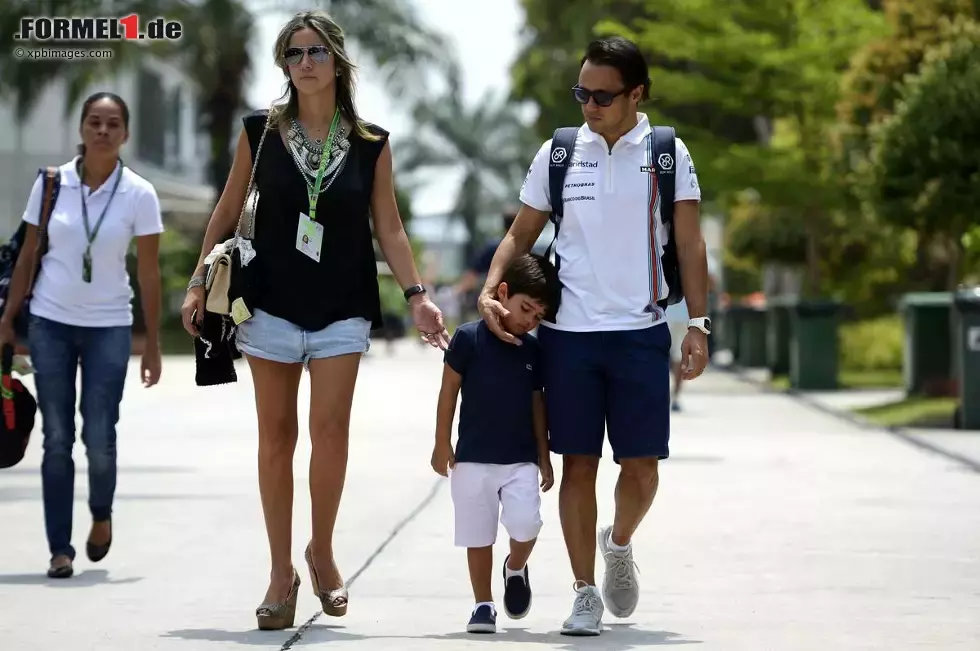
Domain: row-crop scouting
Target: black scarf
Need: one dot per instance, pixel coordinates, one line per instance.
(215, 351)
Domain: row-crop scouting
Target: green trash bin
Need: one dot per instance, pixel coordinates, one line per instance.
(752, 338)
(814, 346)
(730, 328)
(778, 333)
(927, 363)
(967, 319)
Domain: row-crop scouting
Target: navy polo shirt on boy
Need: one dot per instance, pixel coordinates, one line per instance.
(496, 424)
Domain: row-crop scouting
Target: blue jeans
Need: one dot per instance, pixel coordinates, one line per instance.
(56, 350)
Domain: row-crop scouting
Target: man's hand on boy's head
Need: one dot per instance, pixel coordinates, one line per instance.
(493, 313)
(547, 473)
(443, 458)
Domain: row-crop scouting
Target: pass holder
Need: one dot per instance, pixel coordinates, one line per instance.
(309, 237)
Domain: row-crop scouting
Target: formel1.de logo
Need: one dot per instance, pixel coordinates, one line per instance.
(127, 28)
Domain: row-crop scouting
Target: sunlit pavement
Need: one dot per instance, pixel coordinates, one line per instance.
(776, 527)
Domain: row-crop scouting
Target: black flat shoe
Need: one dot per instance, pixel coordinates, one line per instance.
(60, 572)
(95, 552)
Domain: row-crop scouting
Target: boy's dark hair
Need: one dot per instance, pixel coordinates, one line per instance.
(534, 275)
(623, 55)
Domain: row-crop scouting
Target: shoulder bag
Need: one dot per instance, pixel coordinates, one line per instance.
(226, 260)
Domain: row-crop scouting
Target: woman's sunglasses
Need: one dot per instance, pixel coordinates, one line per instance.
(601, 97)
(318, 54)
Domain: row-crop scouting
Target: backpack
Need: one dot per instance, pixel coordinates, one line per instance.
(12, 250)
(664, 157)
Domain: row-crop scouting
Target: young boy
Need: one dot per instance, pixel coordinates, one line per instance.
(502, 440)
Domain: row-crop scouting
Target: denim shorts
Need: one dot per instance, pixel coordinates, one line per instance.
(278, 340)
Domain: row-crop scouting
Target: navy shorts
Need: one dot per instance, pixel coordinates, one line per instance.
(618, 380)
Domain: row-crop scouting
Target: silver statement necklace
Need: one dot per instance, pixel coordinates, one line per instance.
(306, 152)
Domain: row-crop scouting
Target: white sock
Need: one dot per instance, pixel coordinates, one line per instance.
(485, 603)
(509, 572)
(617, 548)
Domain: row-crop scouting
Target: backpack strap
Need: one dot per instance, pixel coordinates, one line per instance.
(562, 146)
(665, 163)
(663, 155)
(52, 186)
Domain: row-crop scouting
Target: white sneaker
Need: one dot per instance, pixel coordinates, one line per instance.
(586, 617)
(620, 585)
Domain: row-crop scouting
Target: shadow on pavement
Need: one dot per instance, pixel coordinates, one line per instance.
(255, 637)
(33, 494)
(123, 470)
(85, 579)
(615, 637)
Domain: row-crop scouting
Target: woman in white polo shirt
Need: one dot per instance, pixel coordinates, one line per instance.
(81, 314)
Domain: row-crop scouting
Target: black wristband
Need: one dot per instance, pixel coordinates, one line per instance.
(414, 290)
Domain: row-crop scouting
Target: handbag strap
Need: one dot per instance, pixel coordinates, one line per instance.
(251, 184)
(51, 179)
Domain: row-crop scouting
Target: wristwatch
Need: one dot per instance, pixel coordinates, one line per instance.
(414, 290)
(702, 323)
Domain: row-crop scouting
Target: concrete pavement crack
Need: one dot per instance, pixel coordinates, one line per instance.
(404, 522)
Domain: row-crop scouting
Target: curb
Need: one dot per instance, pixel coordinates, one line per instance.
(901, 433)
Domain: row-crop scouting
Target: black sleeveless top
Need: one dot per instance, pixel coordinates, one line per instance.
(286, 283)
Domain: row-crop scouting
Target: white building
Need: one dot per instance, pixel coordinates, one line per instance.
(165, 145)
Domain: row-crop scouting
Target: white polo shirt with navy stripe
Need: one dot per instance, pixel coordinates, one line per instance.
(611, 238)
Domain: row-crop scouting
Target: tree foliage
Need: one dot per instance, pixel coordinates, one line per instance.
(871, 84)
(926, 171)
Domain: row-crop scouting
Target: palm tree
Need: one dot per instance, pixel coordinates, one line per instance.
(216, 43)
(488, 141)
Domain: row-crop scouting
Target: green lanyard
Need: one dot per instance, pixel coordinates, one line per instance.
(90, 233)
(314, 191)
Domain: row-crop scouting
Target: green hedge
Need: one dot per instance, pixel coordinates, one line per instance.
(872, 345)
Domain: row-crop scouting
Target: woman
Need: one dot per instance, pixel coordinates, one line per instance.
(313, 295)
(81, 313)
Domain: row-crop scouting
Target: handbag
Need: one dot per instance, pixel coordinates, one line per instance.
(224, 264)
(18, 412)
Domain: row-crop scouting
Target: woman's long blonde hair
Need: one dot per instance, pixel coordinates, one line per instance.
(333, 36)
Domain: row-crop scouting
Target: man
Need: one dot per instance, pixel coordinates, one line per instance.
(678, 319)
(478, 268)
(606, 355)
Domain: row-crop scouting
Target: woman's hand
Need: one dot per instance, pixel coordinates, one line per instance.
(493, 312)
(7, 335)
(151, 365)
(428, 320)
(192, 309)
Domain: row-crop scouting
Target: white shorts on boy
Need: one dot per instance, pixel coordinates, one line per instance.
(485, 494)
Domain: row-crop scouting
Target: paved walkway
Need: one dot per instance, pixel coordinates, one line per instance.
(776, 527)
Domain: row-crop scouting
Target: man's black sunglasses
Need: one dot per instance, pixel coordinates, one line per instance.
(601, 97)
